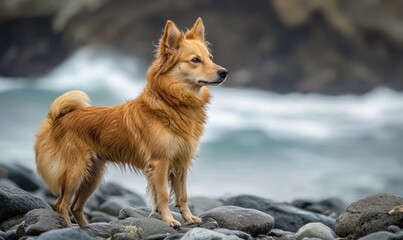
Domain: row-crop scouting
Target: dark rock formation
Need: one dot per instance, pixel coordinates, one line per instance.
(331, 47)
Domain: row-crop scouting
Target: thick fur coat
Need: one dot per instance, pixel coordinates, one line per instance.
(157, 133)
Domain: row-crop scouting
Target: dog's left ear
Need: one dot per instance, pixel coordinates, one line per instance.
(197, 31)
(171, 38)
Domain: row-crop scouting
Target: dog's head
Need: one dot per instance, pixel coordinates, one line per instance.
(187, 58)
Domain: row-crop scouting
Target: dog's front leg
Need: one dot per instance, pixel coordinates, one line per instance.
(157, 175)
(178, 182)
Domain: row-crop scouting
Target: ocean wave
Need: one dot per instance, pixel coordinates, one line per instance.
(289, 116)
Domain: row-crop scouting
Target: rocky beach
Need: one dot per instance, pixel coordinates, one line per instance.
(117, 213)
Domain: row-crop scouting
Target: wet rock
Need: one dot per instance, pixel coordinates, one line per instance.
(204, 234)
(141, 227)
(315, 230)
(66, 234)
(369, 215)
(97, 216)
(111, 197)
(16, 201)
(8, 183)
(239, 234)
(279, 234)
(207, 222)
(288, 218)
(251, 221)
(24, 177)
(332, 207)
(98, 229)
(12, 222)
(38, 221)
(113, 205)
(127, 212)
(12, 235)
(126, 236)
(381, 235)
(175, 236)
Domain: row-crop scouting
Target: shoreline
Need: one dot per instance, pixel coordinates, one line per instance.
(117, 213)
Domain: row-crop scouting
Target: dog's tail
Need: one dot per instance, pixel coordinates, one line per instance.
(68, 102)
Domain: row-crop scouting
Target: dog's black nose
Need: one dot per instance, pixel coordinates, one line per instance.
(222, 73)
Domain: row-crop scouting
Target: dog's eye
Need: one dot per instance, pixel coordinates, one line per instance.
(211, 57)
(196, 60)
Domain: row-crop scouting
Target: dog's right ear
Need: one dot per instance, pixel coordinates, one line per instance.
(170, 39)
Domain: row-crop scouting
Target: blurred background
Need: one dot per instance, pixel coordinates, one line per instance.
(312, 107)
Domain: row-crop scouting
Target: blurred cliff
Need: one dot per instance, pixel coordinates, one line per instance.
(331, 47)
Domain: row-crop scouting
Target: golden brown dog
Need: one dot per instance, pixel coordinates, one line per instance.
(157, 133)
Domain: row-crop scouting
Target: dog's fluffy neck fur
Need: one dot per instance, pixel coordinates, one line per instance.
(182, 99)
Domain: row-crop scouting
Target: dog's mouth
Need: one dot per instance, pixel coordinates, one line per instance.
(214, 83)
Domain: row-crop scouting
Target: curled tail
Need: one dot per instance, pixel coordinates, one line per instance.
(68, 102)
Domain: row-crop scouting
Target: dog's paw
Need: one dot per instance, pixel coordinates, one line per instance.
(192, 220)
(173, 223)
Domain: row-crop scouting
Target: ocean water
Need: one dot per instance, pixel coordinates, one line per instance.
(281, 147)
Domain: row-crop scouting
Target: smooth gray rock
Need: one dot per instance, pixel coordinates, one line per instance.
(369, 215)
(126, 236)
(15, 201)
(247, 220)
(206, 234)
(38, 221)
(381, 235)
(332, 207)
(315, 230)
(66, 234)
(24, 177)
(287, 218)
(113, 205)
(127, 212)
(207, 222)
(114, 191)
(240, 234)
(98, 216)
(98, 229)
(279, 234)
(143, 226)
(12, 222)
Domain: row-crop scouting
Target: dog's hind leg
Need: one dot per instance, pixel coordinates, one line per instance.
(71, 179)
(178, 186)
(95, 171)
(157, 176)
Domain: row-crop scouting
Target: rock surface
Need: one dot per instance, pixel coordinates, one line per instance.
(369, 215)
(38, 221)
(66, 234)
(332, 207)
(110, 198)
(129, 212)
(140, 227)
(16, 201)
(315, 230)
(286, 217)
(24, 178)
(247, 220)
(204, 234)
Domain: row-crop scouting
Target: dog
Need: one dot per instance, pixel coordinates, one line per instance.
(158, 133)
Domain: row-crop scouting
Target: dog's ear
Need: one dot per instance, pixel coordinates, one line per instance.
(171, 38)
(197, 31)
